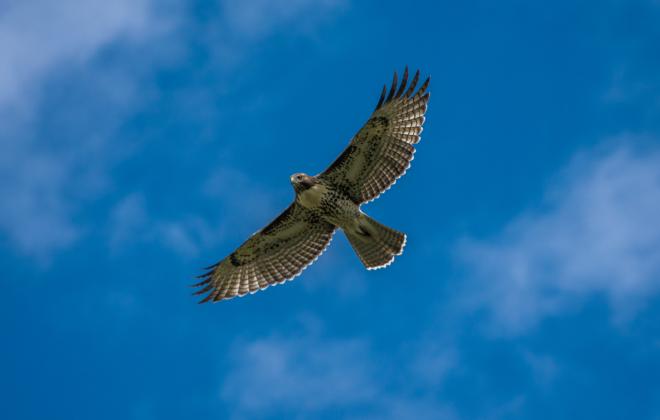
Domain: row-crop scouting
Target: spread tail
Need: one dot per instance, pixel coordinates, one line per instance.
(375, 244)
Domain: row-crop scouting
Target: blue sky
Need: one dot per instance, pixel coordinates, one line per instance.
(143, 140)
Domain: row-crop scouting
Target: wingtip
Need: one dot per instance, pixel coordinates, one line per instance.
(203, 290)
(382, 97)
(413, 84)
(201, 283)
(424, 86)
(205, 299)
(404, 82)
(395, 82)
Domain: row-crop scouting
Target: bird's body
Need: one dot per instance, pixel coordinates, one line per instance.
(377, 156)
(325, 200)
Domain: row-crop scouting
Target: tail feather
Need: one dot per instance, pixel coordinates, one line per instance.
(375, 244)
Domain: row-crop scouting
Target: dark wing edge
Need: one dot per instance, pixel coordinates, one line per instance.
(405, 115)
(391, 132)
(277, 253)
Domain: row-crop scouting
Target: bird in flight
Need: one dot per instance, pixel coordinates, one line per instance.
(378, 155)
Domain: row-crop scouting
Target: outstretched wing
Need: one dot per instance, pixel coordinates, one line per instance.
(381, 152)
(276, 253)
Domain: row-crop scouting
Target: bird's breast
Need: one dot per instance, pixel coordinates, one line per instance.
(311, 197)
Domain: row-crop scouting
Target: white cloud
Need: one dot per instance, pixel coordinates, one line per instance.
(131, 225)
(304, 374)
(47, 174)
(244, 23)
(61, 105)
(36, 36)
(254, 19)
(29, 191)
(309, 374)
(597, 233)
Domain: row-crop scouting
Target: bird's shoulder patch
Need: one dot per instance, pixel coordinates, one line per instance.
(378, 122)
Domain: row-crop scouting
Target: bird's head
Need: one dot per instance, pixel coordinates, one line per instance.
(301, 182)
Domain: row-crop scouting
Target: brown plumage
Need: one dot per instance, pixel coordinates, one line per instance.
(378, 155)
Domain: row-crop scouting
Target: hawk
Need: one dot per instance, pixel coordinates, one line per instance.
(378, 155)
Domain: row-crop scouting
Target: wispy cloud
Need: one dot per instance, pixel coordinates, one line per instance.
(305, 374)
(131, 225)
(597, 233)
(48, 143)
(36, 37)
(240, 204)
(311, 375)
(241, 25)
(255, 19)
(62, 104)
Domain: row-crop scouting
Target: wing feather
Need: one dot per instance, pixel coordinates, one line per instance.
(403, 83)
(381, 152)
(278, 252)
